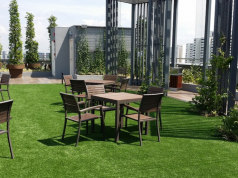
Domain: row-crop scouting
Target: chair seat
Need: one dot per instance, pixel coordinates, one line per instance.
(143, 118)
(106, 108)
(84, 117)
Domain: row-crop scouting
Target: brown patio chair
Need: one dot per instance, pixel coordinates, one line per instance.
(79, 87)
(5, 109)
(122, 87)
(152, 90)
(95, 90)
(5, 81)
(71, 105)
(67, 84)
(149, 103)
(110, 77)
(122, 71)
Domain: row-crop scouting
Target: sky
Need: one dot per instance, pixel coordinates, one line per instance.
(89, 12)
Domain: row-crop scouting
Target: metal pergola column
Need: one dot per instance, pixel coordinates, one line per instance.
(149, 50)
(174, 37)
(234, 53)
(168, 13)
(207, 36)
(133, 11)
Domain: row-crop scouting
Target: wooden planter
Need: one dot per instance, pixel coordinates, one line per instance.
(34, 65)
(0, 64)
(16, 70)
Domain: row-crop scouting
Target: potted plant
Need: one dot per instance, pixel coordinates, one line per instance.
(52, 23)
(31, 46)
(0, 55)
(16, 64)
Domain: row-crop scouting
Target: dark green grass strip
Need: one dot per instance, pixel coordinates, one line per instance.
(187, 148)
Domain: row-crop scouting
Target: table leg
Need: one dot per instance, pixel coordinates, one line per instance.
(117, 125)
(147, 125)
(121, 112)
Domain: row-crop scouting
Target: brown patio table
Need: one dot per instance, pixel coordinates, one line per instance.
(99, 82)
(118, 99)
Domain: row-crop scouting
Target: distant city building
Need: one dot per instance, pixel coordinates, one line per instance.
(195, 50)
(189, 51)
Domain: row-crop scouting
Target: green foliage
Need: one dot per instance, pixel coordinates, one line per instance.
(229, 127)
(99, 58)
(192, 75)
(123, 54)
(145, 86)
(0, 51)
(15, 43)
(52, 23)
(83, 57)
(31, 46)
(209, 100)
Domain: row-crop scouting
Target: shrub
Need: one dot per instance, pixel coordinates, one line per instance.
(229, 127)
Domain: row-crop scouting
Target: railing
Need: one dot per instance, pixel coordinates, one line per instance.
(43, 58)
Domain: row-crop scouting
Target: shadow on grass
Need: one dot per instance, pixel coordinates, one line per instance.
(57, 104)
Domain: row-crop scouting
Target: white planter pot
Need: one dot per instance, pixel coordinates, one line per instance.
(190, 87)
(89, 77)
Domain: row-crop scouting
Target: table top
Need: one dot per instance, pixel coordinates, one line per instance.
(118, 97)
(97, 82)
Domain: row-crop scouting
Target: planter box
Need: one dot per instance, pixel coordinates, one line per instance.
(35, 74)
(190, 87)
(89, 77)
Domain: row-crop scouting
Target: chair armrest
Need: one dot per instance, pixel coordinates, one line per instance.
(90, 108)
(4, 83)
(130, 107)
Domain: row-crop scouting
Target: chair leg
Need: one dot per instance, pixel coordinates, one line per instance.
(8, 92)
(78, 134)
(160, 120)
(9, 141)
(104, 113)
(139, 125)
(103, 128)
(87, 127)
(2, 96)
(126, 118)
(157, 124)
(65, 123)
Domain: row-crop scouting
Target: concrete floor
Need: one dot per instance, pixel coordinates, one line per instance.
(179, 94)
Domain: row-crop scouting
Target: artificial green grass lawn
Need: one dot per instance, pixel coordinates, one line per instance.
(187, 148)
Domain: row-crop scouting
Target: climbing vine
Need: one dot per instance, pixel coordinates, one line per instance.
(123, 54)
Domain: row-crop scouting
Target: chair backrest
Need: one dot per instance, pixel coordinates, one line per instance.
(124, 84)
(110, 77)
(95, 90)
(5, 78)
(67, 79)
(150, 102)
(78, 85)
(5, 109)
(153, 90)
(70, 102)
(122, 71)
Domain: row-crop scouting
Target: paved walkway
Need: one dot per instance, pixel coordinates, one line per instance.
(179, 94)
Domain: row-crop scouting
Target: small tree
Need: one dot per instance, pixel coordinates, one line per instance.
(31, 46)
(209, 100)
(15, 43)
(52, 23)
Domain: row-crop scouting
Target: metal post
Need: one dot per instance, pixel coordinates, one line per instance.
(108, 34)
(234, 53)
(150, 31)
(174, 37)
(168, 12)
(207, 37)
(132, 42)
